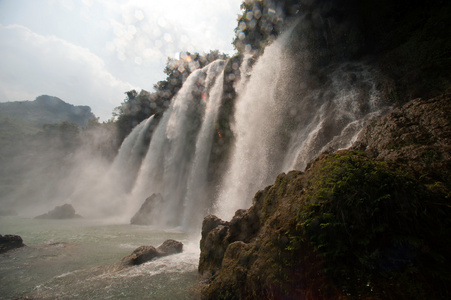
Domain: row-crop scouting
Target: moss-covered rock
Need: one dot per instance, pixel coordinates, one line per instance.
(416, 135)
(378, 229)
(352, 226)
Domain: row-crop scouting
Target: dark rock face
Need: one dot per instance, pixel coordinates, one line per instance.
(144, 215)
(371, 222)
(65, 211)
(241, 259)
(146, 253)
(417, 135)
(170, 247)
(140, 255)
(9, 242)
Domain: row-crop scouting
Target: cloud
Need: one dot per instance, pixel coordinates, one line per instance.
(92, 51)
(164, 28)
(34, 64)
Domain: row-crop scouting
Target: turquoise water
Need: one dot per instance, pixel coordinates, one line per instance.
(76, 259)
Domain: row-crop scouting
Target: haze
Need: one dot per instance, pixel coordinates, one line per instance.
(90, 52)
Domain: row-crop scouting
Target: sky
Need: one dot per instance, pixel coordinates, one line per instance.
(90, 52)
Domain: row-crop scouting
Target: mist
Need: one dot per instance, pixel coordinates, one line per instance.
(55, 166)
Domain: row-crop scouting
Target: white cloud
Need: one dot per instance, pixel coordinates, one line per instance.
(92, 51)
(33, 64)
(177, 25)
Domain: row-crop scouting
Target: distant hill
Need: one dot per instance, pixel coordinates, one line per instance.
(46, 110)
(28, 148)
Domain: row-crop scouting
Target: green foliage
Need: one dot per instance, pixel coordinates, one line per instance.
(378, 230)
(138, 107)
(64, 135)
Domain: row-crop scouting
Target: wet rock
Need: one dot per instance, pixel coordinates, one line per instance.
(293, 241)
(141, 255)
(417, 135)
(65, 211)
(170, 247)
(146, 253)
(9, 242)
(144, 215)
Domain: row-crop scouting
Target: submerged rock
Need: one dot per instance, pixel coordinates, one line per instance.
(9, 242)
(146, 253)
(144, 215)
(65, 211)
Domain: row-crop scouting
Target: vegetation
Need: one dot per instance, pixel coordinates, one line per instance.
(378, 230)
(260, 23)
(138, 107)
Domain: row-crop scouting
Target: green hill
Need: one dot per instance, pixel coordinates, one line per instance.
(46, 110)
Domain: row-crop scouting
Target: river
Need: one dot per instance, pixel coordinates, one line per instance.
(75, 259)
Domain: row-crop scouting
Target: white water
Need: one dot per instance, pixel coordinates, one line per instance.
(103, 196)
(284, 116)
(176, 162)
(75, 259)
(131, 152)
(282, 122)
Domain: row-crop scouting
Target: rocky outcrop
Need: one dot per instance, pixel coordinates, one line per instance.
(65, 211)
(243, 258)
(144, 215)
(146, 253)
(9, 242)
(370, 222)
(417, 135)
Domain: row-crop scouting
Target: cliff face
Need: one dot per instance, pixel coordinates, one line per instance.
(417, 135)
(369, 222)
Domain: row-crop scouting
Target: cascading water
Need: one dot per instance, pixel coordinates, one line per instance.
(285, 116)
(131, 153)
(105, 197)
(178, 154)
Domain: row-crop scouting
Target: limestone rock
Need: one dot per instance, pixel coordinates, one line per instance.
(65, 211)
(144, 215)
(170, 247)
(9, 242)
(146, 253)
(417, 135)
(369, 222)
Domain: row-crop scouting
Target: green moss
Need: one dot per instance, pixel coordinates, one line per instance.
(378, 230)
(276, 192)
(431, 155)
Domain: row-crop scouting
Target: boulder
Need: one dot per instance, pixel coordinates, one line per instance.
(140, 255)
(144, 215)
(9, 242)
(65, 211)
(146, 253)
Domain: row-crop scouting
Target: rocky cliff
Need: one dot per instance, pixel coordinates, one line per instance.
(371, 222)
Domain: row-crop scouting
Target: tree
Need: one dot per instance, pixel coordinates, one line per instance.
(261, 21)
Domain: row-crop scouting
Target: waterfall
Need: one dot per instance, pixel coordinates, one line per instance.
(176, 162)
(285, 116)
(128, 160)
(102, 194)
(288, 109)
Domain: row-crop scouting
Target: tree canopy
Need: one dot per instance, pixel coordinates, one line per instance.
(140, 106)
(261, 21)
